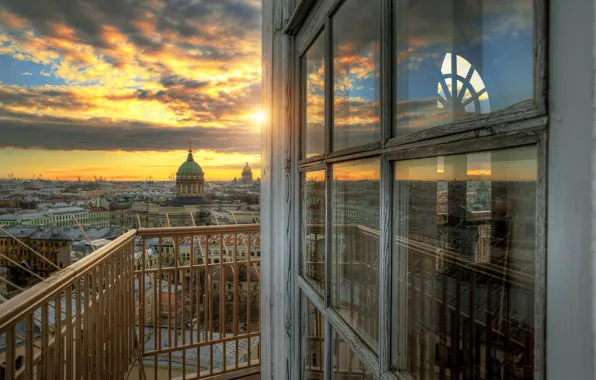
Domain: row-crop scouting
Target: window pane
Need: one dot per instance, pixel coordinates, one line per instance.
(346, 365)
(355, 245)
(313, 229)
(315, 98)
(464, 253)
(483, 46)
(313, 343)
(356, 74)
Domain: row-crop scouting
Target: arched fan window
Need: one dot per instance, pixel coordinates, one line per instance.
(469, 95)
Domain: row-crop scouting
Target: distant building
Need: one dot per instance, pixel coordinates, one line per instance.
(55, 244)
(53, 247)
(98, 217)
(247, 174)
(55, 217)
(190, 206)
(190, 179)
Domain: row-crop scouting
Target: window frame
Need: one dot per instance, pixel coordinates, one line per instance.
(521, 125)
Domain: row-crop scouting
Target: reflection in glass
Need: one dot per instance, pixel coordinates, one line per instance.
(313, 228)
(355, 245)
(464, 250)
(460, 58)
(346, 365)
(356, 74)
(315, 98)
(313, 343)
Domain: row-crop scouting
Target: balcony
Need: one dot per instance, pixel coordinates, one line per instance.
(205, 282)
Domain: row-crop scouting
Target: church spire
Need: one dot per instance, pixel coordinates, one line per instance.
(190, 157)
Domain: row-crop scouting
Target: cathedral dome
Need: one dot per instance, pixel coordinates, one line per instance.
(247, 173)
(190, 167)
(190, 179)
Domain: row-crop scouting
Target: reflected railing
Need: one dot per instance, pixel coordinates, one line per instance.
(459, 312)
(154, 303)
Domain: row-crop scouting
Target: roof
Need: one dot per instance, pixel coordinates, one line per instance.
(98, 209)
(188, 201)
(62, 233)
(42, 214)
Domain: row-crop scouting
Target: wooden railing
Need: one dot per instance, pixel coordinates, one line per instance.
(79, 323)
(132, 310)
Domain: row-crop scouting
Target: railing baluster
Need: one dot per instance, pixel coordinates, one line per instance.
(58, 356)
(157, 291)
(248, 295)
(98, 314)
(10, 353)
(198, 301)
(235, 301)
(169, 324)
(191, 288)
(78, 325)
(109, 320)
(68, 339)
(86, 324)
(142, 303)
(222, 298)
(29, 348)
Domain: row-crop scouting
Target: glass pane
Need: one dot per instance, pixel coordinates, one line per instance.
(313, 343)
(460, 58)
(356, 74)
(313, 229)
(355, 245)
(315, 98)
(464, 253)
(346, 365)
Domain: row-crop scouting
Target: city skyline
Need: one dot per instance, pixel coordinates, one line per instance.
(118, 89)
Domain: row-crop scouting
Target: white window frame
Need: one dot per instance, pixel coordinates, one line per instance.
(524, 124)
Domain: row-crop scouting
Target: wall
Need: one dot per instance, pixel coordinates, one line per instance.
(571, 195)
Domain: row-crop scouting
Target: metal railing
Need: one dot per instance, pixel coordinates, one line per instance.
(154, 303)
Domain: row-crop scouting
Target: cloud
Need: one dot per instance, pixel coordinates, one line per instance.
(139, 74)
(54, 133)
(26, 73)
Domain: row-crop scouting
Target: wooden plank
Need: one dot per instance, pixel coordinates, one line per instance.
(385, 319)
(387, 67)
(300, 12)
(540, 266)
(267, 335)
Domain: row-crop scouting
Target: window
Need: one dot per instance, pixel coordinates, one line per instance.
(422, 208)
(314, 94)
(356, 74)
(355, 253)
(346, 365)
(313, 342)
(459, 59)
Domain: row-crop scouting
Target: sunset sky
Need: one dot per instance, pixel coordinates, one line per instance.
(117, 88)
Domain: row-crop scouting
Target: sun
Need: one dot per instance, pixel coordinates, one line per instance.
(259, 116)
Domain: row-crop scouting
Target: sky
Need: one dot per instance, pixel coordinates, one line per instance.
(118, 88)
